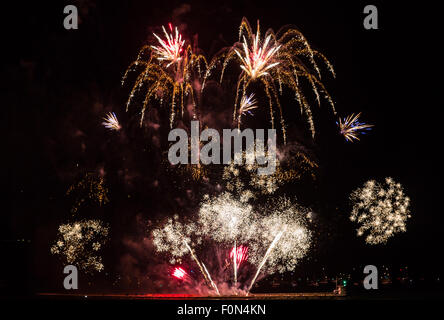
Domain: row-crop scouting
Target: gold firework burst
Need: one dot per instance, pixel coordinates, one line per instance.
(166, 72)
(80, 242)
(92, 187)
(350, 127)
(275, 60)
(292, 167)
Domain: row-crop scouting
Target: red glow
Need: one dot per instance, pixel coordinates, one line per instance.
(179, 273)
(171, 26)
(241, 254)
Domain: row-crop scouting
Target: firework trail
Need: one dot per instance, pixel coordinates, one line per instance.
(275, 60)
(202, 268)
(350, 127)
(240, 252)
(173, 238)
(276, 239)
(211, 281)
(235, 263)
(225, 219)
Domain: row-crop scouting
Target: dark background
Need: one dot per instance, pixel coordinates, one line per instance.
(57, 84)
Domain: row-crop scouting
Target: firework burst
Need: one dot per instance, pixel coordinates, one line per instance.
(180, 273)
(380, 210)
(225, 218)
(288, 218)
(172, 238)
(350, 127)
(239, 254)
(91, 187)
(257, 60)
(292, 166)
(275, 61)
(247, 104)
(170, 50)
(166, 73)
(111, 122)
(80, 242)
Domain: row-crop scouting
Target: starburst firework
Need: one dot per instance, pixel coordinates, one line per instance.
(247, 104)
(293, 165)
(275, 61)
(111, 122)
(239, 254)
(288, 218)
(225, 218)
(180, 273)
(350, 127)
(79, 243)
(170, 50)
(172, 237)
(166, 73)
(380, 210)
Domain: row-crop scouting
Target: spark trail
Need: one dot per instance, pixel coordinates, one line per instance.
(202, 268)
(276, 239)
(235, 263)
(211, 281)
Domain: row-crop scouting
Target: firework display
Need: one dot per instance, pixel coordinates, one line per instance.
(219, 230)
(381, 210)
(225, 220)
(80, 243)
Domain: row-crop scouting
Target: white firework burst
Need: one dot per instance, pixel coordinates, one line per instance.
(380, 210)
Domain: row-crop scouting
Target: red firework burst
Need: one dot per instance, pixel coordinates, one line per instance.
(241, 253)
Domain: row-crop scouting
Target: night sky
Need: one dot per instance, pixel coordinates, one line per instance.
(57, 84)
